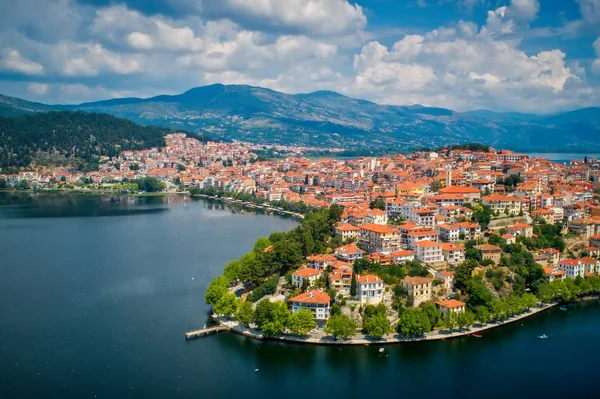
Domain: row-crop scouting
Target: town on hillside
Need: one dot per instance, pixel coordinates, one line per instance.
(484, 233)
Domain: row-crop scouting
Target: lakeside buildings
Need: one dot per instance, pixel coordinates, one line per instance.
(427, 200)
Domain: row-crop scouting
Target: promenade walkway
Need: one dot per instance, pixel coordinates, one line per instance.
(320, 338)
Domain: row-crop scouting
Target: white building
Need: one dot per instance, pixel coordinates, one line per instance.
(370, 289)
(376, 216)
(428, 251)
(572, 267)
(317, 301)
(309, 274)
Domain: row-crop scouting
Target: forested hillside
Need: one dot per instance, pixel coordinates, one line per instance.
(73, 138)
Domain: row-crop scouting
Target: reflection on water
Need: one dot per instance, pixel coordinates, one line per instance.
(42, 205)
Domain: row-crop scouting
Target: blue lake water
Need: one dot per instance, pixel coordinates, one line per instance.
(96, 296)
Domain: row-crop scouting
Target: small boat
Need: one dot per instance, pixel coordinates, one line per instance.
(477, 335)
(256, 370)
(542, 336)
(381, 350)
(563, 308)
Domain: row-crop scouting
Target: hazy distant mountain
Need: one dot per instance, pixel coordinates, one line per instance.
(11, 106)
(329, 119)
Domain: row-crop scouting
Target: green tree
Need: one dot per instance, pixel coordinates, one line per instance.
(262, 313)
(353, 286)
(482, 315)
(227, 305)
(216, 289)
(465, 319)
(413, 323)
(433, 315)
(340, 326)
(450, 321)
(4, 184)
(244, 313)
(529, 300)
(301, 322)
(377, 204)
(276, 319)
(377, 326)
(149, 184)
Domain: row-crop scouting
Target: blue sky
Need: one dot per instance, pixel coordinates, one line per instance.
(507, 55)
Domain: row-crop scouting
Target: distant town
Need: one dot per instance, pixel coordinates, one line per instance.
(412, 244)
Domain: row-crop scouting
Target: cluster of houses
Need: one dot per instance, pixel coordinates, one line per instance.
(425, 202)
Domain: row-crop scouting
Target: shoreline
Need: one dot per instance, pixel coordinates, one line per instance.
(241, 203)
(362, 339)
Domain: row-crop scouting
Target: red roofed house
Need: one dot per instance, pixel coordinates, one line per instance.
(370, 289)
(401, 257)
(349, 253)
(376, 216)
(473, 193)
(427, 251)
(591, 265)
(521, 229)
(347, 231)
(308, 274)
(317, 301)
(320, 261)
(378, 238)
(451, 305)
(553, 273)
(341, 280)
(452, 253)
(573, 267)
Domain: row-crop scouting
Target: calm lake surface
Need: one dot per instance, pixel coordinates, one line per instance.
(562, 157)
(95, 297)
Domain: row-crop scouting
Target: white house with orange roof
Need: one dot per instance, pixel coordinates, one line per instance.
(447, 232)
(573, 267)
(306, 274)
(340, 280)
(453, 253)
(554, 273)
(317, 301)
(370, 289)
(347, 231)
(451, 305)
(509, 238)
(376, 216)
(471, 230)
(428, 251)
(401, 257)
(349, 253)
(423, 234)
(378, 238)
(321, 261)
(423, 217)
(521, 229)
(472, 193)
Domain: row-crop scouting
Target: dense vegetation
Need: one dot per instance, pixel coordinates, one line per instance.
(71, 138)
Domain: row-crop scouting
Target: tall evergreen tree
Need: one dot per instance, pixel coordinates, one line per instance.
(353, 286)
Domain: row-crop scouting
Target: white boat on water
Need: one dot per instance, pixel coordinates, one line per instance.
(381, 350)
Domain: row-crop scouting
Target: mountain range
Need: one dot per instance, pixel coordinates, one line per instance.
(328, 119)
